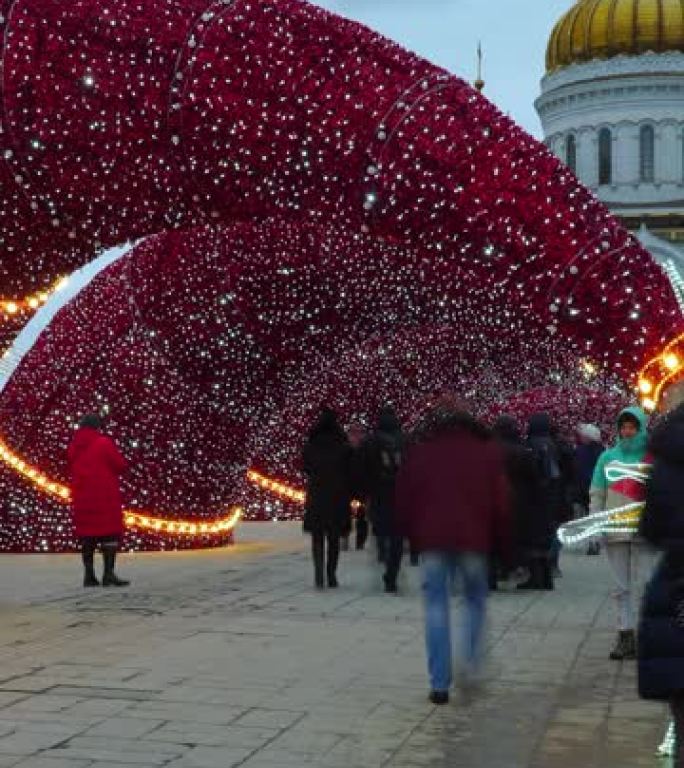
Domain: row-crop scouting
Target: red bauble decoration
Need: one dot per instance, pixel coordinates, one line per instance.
(344, 222)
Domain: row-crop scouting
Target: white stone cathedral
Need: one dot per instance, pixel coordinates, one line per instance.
(612, 108)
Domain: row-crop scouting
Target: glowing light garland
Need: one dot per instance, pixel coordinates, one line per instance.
(622, 520)
(11, 307)
(277, 487)
(133, 519)
(661, 370)
(378, 231)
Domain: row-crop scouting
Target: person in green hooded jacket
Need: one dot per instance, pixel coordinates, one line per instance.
(620, 479)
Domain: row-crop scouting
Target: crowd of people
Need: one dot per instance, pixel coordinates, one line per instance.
(478, 503)
(354, 477)
(483, 504)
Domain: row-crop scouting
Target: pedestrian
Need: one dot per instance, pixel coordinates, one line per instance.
(619, 480)
(327, 516)
(661, 626)
(531, 525)
(568, 481)
(357, 436)
(382, 459)
(452, 503)
(588, 448)
(550, 508)
(95, 467)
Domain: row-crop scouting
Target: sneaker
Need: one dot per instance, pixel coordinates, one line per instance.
(667, 748)
(91, 581)
(439, 697)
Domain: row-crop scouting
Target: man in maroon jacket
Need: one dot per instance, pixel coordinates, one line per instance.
(452, 503)
(95, 465)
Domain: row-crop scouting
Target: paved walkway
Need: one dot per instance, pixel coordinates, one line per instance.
(230, 658)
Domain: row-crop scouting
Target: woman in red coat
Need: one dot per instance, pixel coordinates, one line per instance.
(95, 465)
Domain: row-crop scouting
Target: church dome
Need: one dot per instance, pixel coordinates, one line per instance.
(601, 29)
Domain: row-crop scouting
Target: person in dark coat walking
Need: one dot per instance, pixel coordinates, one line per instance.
(546, 515)
(357, 437)
(530, 524)
(95, 466)
(327, 464)
(588, 449)
(452, 503)
(382, 459)
(568, 481)
(661, 628)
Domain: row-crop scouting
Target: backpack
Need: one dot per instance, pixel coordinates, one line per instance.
(389, 454)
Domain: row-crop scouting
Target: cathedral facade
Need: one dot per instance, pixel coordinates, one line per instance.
(612, 108)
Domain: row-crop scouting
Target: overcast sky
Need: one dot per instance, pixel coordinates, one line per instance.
(514, 34)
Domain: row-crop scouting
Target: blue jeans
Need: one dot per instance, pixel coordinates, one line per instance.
(439, 571)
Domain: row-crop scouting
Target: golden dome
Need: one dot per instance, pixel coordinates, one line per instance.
(600, 29)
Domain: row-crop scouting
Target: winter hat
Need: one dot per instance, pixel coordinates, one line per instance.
(589, 432)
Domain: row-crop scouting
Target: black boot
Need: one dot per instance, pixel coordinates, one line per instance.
(625, 646)
(536, 577)
(109, 578)
(318, 554)
(88, 556)
(333, 557)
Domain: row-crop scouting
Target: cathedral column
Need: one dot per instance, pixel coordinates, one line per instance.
(587, 157)
(625, 154)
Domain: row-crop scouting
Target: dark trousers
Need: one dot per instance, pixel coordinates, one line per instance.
(390, 552)
(361, 531)
(318, 552)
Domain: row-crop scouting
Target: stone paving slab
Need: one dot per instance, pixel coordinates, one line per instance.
(230, 658)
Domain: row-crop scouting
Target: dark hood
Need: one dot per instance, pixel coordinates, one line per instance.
(539, 425)
(327, 427)
(667, 440)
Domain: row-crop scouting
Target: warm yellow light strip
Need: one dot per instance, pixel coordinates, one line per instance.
(183, 527)
(33, 474)
(30, 303)
(658, 372)
(133, 519)
(283, 490)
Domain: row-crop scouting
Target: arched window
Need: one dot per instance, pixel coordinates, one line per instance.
(647, 153)
(605, 156)
(571, 153)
